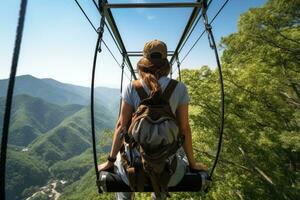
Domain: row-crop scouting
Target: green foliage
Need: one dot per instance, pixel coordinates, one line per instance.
(72, 169)
(85, 188)
(105, 140)
(33, 116)
(23, 171)
(70, 138)
(40, 196)
(260, 155)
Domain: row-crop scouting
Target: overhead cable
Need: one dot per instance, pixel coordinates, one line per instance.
(92, 25)
(213, 19)
(111, 34)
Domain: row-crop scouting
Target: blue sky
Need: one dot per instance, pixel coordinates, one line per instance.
(58, 42)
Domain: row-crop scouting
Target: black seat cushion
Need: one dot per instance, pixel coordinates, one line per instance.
(112, 182)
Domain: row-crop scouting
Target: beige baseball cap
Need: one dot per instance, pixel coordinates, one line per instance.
(155, 47)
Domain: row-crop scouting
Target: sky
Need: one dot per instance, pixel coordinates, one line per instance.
(58, 42)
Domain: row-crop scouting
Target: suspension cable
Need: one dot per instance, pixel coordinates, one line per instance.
(212, 43)
(178, 66)
(92, 25)
(213, 19)
(112, 36)
(121, 86)
(97, 49)
(86, 15)
(9, 96)
(107, 47)
(110, 32)
(193, 28)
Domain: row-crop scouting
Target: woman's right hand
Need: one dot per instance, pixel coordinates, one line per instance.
(105, 166)
(199, 166)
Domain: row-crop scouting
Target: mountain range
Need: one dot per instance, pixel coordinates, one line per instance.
(60, 93)
(50, 131)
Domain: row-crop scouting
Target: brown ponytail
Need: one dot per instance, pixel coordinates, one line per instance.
(151, 71)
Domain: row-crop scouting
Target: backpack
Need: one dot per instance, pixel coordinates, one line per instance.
(154, 133)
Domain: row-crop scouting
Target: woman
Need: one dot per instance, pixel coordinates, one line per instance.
(153, 70)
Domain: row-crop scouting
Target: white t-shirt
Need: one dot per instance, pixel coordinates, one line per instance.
(179, 96)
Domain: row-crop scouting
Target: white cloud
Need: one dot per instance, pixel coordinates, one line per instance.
(150, 17)
(143, 11)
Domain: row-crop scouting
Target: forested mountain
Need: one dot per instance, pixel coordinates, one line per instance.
(59, 93)
(50, 136)
(33, 116)
(24, 172)
(70, 138)
(38, 88)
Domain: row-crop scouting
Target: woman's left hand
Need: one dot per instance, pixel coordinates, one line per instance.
(105, 166)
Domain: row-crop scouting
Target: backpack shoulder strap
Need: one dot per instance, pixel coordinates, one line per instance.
(170, 88)
(140, 90)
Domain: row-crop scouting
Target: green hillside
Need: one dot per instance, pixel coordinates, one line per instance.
(65, 148)
(85, 188)
(60, 93)
(35, 87)
(24, 171)
(69, 138)
(33, 116)
(73, 168)
(52, 134)
(103, 95)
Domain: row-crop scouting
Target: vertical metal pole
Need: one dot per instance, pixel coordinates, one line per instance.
(178, 66)
(213, 45)
(97, 49)
(121, 86)
(9, 97)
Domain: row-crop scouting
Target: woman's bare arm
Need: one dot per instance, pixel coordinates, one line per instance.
(182, 114)
(125, 116)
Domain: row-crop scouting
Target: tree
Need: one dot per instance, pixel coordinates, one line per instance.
(260, 157)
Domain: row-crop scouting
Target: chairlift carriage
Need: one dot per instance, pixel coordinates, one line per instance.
(109, 181)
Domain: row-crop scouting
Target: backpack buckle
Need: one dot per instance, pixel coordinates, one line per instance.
(124, 134)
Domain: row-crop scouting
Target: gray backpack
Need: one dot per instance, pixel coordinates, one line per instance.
(154, 132)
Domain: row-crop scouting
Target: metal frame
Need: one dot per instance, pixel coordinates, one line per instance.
(187, 29)
(106, 11)
(111, 22)
(140, 53)
(153, 5)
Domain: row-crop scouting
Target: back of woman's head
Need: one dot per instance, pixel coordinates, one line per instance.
(154, 64)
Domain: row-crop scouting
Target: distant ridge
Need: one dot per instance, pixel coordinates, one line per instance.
(32, 116)
(60, 93)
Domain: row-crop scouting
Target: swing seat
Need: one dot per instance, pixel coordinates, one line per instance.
(191, 182)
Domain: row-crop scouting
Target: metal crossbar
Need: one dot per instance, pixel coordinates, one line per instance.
(111, 22)
(114, 29)
(140, 53)
(186, 31)
(153, 5)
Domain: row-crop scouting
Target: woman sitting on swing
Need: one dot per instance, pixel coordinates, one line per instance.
(153, 78)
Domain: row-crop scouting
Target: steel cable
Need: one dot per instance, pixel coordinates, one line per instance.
(106, 46)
